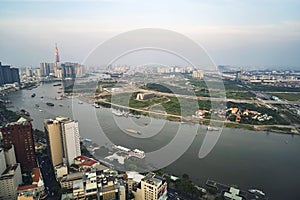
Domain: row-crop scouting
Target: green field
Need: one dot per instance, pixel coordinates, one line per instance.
(287, 96)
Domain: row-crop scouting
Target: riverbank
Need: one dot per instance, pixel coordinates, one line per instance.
(282, 129)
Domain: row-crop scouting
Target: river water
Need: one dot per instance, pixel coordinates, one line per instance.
(249, 159)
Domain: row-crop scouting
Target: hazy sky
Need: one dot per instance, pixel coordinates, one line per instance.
(235, 32)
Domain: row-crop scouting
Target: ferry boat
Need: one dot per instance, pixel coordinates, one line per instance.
(117, 113)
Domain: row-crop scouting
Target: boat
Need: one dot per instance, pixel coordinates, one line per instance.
(59, 84)
(117, 113)
(60, 105)
(96, 105)
(256, 191)
(33, 95)
(133, 131)
(210, 128)
(42, 97)
(80, 102)
(50, 104)
(58, 98)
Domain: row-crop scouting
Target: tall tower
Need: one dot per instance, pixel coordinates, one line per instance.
(20, 135)
(56, 54)
(64, 140)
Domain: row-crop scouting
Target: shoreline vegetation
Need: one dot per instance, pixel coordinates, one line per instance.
(284, 129)
(165, 105)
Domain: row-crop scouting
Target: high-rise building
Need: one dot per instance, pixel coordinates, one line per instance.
(52, 129)
(9, 75)
(20, 135)
(29, 71)
(10, 180)
(64, 140)
(10, 156)
(56, 54)
(2, 161)
(71, 140)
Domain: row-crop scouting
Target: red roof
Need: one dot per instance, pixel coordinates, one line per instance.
(36, 174)
(27, 187)
(85, 161)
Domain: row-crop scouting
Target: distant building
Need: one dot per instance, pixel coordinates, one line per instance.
(197, 74)
(10, 180)
(20, 135)
(144, 96)
(9, 75)
(238, 76)
(64, 140)
(29, 71)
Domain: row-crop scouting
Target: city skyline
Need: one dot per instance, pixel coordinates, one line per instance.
(260, 33)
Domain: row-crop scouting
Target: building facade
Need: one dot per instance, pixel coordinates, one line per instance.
(9, 75)
(10, 180)
(20, 135)
(63, 139)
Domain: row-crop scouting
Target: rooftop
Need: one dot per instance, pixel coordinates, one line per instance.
(153, 179)
(85, 161)
(21, 121)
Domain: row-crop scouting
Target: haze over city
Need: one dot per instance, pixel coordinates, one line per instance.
(238, 33)
(149, 100)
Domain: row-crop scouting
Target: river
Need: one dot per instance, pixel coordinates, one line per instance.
(249, 159)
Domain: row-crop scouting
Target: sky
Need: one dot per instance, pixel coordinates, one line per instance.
(256, 33)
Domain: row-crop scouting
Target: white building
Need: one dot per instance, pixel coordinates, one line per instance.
(2, 161)
(64, 140)
(71, 140)
(197, 74)
(10, 156)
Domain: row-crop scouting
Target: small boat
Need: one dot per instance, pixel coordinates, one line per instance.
(50, 104)
(60, 105)
(117, 113)
(42, 97)
(59, 84)
(97, 106)
(210, 128)
(133, 131)
(41, 110)
(256, 191)
(33, 95)
(80, 102)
